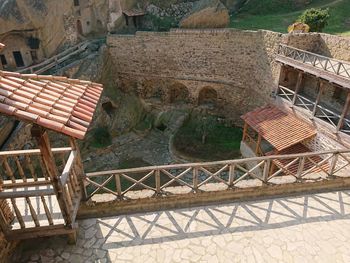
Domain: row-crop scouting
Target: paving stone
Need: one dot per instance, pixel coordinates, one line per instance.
(297, 231)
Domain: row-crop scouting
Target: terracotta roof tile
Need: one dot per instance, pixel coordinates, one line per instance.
(280, 129)
(57, 103)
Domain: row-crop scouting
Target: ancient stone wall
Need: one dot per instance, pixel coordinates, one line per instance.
(334, 46)
(239, 65)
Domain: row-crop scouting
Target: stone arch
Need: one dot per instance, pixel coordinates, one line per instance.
(207, 96)
(151, 89)
(178, 93)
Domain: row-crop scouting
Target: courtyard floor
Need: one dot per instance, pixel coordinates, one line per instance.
(307, 228)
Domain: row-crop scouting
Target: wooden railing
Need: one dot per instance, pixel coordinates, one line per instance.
(198, 177)
(331, 65)
(31, 194)
(59, 58)
(318, 110)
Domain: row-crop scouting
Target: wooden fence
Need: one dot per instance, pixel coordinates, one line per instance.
(198, 177)
(332, 65)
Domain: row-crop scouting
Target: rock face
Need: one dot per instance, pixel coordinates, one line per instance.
(45, 19)
(207, 14)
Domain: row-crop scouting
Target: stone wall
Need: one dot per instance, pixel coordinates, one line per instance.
(239, 65)
(334, 46)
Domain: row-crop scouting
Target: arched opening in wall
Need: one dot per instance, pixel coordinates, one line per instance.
(179, 93)
(79, 27)
(207, 96)
(151, 90)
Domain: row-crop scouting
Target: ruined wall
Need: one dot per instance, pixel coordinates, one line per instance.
(238, 64)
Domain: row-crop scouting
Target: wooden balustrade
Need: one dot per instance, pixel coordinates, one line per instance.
(319, 111)
(196, 177)
(30, 193)
(340, 68)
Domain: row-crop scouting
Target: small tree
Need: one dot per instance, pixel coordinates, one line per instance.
(316, 18)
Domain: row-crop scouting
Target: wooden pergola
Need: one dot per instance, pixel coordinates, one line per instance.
(282, 131)
(49, 177)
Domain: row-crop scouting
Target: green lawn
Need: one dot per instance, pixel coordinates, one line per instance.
(222, 142)
(265, 18)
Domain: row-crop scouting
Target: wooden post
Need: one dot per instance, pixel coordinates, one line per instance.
(266, 170)
(195, 179)
(79, 168)
(320, 89)
(258, 144)
(297, 86)
(231, 176)
(46, 154)
(345, 111)
(245, 130)
(157, 179)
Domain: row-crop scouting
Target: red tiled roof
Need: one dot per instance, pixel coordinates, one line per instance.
(293, 169)
(57, 103)
(280, 129)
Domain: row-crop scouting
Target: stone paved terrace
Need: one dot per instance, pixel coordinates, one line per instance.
(306, 228)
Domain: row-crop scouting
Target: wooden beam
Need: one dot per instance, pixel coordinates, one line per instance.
(50, 165)
(36, 232)
(345, 111)
(320, 86)
(297, 86)
(26, 193)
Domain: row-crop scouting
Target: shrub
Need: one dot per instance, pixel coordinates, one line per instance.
(316, 18)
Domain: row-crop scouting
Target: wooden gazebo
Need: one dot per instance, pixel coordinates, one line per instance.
(43, 187)
(284, 133)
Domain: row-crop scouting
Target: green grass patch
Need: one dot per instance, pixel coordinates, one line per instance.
(220, 142)
(277, 18)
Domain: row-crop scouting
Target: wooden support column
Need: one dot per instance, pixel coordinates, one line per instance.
(318, 98)
(298, 86)
(245, 130)
(283, 74)
(46, 154)
(79, 168)
(345, 111)
(258, 144)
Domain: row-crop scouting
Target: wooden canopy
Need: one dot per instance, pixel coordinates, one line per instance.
(57, 103)
(280, 129)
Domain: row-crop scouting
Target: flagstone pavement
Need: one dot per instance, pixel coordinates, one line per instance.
(306, 228)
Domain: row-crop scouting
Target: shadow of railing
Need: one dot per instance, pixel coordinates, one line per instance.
(172, 225)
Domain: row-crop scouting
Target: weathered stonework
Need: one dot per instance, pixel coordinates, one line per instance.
(239, 65)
